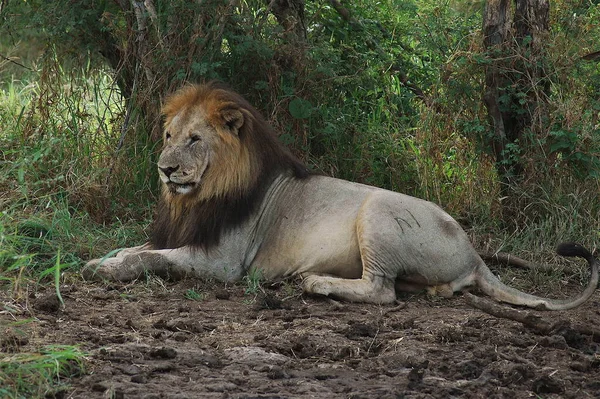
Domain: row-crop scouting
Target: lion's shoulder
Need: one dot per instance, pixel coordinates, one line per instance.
(245, 157)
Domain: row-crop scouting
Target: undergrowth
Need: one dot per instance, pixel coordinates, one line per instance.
(59, 169)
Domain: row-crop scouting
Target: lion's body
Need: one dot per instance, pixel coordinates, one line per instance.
(229, 206)
(326, 226)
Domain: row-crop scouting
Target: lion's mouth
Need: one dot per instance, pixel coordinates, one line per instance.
(176, 188)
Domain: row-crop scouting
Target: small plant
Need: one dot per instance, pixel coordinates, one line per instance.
(253, 281)
(194, 295)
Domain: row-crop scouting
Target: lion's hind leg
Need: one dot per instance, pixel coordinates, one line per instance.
(443, 290)
(371, 289)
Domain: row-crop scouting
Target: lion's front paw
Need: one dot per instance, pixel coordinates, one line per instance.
(316, 285)
(115, 269)
(99, 269)
(133, 250)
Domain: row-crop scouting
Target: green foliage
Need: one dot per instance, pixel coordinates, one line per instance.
(566, 145)
(52, 161)
(346, 100)
(300, 108)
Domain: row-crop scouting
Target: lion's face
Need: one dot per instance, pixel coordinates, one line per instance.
(203, 155)
(189, 143)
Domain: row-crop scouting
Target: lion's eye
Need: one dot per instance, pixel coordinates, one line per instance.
(167, 137)
(194, 138)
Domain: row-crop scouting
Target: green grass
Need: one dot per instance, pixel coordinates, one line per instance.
(253, 282)
(194, 295)
(39, 374)
(55, 208)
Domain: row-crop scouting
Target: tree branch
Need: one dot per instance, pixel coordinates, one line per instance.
(290, 15)
(592, 56)
(15, 62)
(345, 14)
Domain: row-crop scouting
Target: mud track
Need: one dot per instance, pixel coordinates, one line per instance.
(151, 341)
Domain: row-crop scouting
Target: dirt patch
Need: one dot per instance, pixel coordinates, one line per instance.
(152, 341)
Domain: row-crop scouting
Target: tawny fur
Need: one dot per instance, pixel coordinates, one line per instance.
(234, 199)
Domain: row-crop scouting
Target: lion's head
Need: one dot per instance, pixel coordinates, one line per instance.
(219, 155)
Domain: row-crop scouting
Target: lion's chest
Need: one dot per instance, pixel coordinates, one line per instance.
(333, 254)
(312, 236)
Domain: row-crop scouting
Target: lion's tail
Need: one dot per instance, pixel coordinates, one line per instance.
(493, 287)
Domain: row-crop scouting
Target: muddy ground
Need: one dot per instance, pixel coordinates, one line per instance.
(150, 340)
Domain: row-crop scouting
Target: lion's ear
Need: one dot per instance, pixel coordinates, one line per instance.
(234, 119)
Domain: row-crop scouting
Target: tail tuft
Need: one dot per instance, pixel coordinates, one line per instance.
(573, 249)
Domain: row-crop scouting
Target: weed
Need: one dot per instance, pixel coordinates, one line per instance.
(194, 295)
(253, 281)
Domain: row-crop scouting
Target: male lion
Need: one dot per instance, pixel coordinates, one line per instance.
(233, 198)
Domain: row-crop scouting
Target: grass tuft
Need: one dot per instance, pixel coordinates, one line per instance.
(253, 281)
(39, 374)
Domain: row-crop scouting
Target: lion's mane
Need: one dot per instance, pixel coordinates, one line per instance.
(235, 184)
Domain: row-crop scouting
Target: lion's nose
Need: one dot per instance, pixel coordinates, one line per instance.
(168, 170)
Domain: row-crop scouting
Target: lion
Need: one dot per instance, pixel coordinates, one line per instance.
(235, 199)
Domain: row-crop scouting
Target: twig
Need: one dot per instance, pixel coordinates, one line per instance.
(15, 62)
(373, 341)
(399, 306)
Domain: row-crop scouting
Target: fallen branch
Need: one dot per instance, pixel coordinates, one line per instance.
(537, 323)
(508, 260)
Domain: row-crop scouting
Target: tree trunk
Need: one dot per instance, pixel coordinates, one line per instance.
(496, 28)
(153, 54)
(291, 53)
(515, 85)
(290, 15)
